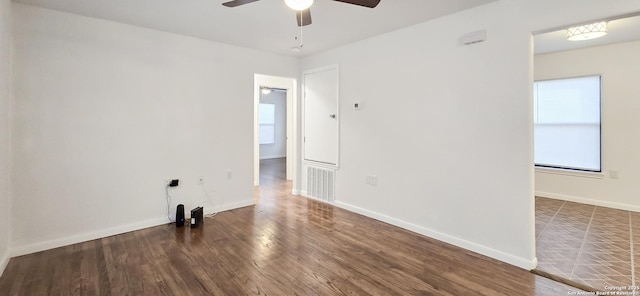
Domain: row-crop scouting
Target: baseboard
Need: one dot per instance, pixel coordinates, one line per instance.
(523, 263)
(4, 262)
(79, 238)
(295, 191)
(534, 263)
(231, 206)
(74, 239)
(589, 201)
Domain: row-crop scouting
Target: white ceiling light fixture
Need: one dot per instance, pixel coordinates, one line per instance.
(587, 32)
(299, 5)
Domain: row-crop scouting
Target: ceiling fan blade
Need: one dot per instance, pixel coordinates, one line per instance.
(235, 3)
(365, 3)
(306, 17)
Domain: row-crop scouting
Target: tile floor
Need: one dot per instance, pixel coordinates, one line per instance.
(595, 246)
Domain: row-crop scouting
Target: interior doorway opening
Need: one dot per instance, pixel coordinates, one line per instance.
(584, 233)
(275, 128)
(272, 130)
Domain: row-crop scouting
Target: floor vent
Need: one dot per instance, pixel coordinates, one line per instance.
(321, 183)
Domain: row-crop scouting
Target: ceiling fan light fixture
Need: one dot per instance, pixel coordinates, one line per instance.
(299, 5)
(587, 32)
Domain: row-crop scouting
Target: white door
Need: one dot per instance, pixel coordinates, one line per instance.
(321, 115)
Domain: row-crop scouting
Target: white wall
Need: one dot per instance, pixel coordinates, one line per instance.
(448, 128)
(279, 148)
(106, 111)
(619, 65)
(5, 130)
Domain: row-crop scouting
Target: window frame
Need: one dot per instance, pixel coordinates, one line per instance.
(568, 168)
(263, 124)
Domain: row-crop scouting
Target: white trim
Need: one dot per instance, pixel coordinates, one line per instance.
(317, 164)
(79, 238)
(295, 191)
(572, 173)
(589, 201)
(4, 262)
(232, 206)
(523, 263)
(534, 263)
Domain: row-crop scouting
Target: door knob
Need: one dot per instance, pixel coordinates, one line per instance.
(332, 116)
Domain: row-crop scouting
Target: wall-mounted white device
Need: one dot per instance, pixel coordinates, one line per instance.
(473, 37)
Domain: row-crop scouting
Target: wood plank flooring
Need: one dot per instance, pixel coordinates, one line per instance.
(285, 245)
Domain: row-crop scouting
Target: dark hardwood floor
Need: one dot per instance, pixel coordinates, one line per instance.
(284, 245)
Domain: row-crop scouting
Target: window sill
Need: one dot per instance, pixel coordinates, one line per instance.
(570, 173)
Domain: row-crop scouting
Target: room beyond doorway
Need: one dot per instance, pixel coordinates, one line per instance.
(288, 86)
(272, 118)
(587, 221)
(589, 245)
(273, 170)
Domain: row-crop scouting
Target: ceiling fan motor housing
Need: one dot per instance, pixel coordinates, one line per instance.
(303, 15)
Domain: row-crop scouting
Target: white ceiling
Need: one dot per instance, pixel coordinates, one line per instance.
(266, 25)
(620, 30)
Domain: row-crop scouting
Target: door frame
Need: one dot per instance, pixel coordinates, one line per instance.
(290, 85)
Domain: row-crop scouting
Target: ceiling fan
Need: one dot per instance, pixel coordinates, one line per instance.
(302, 7)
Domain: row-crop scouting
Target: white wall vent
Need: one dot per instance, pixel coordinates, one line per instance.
(321, 183)
(474, 37)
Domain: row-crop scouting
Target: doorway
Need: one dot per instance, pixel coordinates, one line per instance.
(584, 228)
(272, 120)
(275, 128)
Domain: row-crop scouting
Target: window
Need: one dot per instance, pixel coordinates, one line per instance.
(267, 117)
(567, 123)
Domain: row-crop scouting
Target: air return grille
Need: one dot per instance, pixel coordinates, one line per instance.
(321, 183)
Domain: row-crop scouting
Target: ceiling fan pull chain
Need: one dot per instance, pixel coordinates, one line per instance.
(301, 41)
